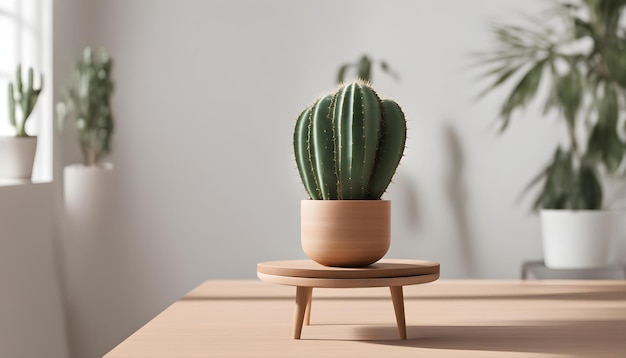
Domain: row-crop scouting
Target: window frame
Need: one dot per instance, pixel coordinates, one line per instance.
(30, 20)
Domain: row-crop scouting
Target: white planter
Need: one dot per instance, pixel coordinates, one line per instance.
(17, 155)
(87, 197)
(577, 239)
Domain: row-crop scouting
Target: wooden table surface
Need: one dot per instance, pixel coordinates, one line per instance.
(444, 319)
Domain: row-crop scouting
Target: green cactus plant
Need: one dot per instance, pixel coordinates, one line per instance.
(87, 102)
(26, 100)
(349, 143)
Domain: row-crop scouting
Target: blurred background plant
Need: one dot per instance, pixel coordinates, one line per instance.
(580, 52)
(23, 98)
(363, 69)
(87, 102)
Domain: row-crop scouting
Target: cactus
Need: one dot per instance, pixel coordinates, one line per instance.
(349, 143)
(26, 99)
(87, 102)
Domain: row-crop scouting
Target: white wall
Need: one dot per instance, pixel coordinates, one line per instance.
(31, 308)
(207, 94)
(32, 322)
(206, 97)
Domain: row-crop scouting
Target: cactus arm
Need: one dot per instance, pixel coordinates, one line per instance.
(323, 147)
(12, 106)
(372, 119)
(20, 100)
(393, 139)
(365, 119)
(37, 92)
(28, 102)
(31, 79)
(301, 151)
(344, 106)
(18, 79)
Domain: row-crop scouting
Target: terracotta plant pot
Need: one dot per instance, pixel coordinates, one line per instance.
(345, 233)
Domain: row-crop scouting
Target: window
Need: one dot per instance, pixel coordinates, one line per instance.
(26, 38)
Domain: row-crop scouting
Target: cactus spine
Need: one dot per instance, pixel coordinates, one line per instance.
(87, 102)
(25, 98)
(349, 143)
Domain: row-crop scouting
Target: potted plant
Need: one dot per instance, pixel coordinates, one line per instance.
(348, 145)
(17, 154)
(580, 55)
(87, 102)
(364, 69)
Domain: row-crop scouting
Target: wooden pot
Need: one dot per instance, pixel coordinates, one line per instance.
(345, 233)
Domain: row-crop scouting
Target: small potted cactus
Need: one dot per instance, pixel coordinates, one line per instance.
(348, 145)
(17, 154)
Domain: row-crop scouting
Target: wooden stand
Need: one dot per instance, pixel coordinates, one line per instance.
(306, 274)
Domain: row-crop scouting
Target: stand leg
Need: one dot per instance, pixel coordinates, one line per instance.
(307, 312)
(302, 295)
(398, 305)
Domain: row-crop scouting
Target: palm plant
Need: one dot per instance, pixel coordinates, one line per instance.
(580, 52)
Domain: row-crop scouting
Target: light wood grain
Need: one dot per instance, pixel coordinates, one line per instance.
(303, 296)
(349, 282)
(449, 319)
(307, 313)
(345, 233)
(306, 274)
(398, 307)
(382, 268)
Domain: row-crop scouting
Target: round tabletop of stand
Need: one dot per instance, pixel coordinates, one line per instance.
(307, 274)
(383, 273)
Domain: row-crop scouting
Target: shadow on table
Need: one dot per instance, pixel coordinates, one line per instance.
(594, 338)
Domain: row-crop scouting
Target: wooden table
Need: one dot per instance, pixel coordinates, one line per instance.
(307, 274)
(537, 270)
(447, 319)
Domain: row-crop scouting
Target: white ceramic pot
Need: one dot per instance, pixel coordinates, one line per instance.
(17, 155)
(577, 239)
(87, 197)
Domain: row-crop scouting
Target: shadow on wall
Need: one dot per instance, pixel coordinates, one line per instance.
(404, 184)
(457, 198)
